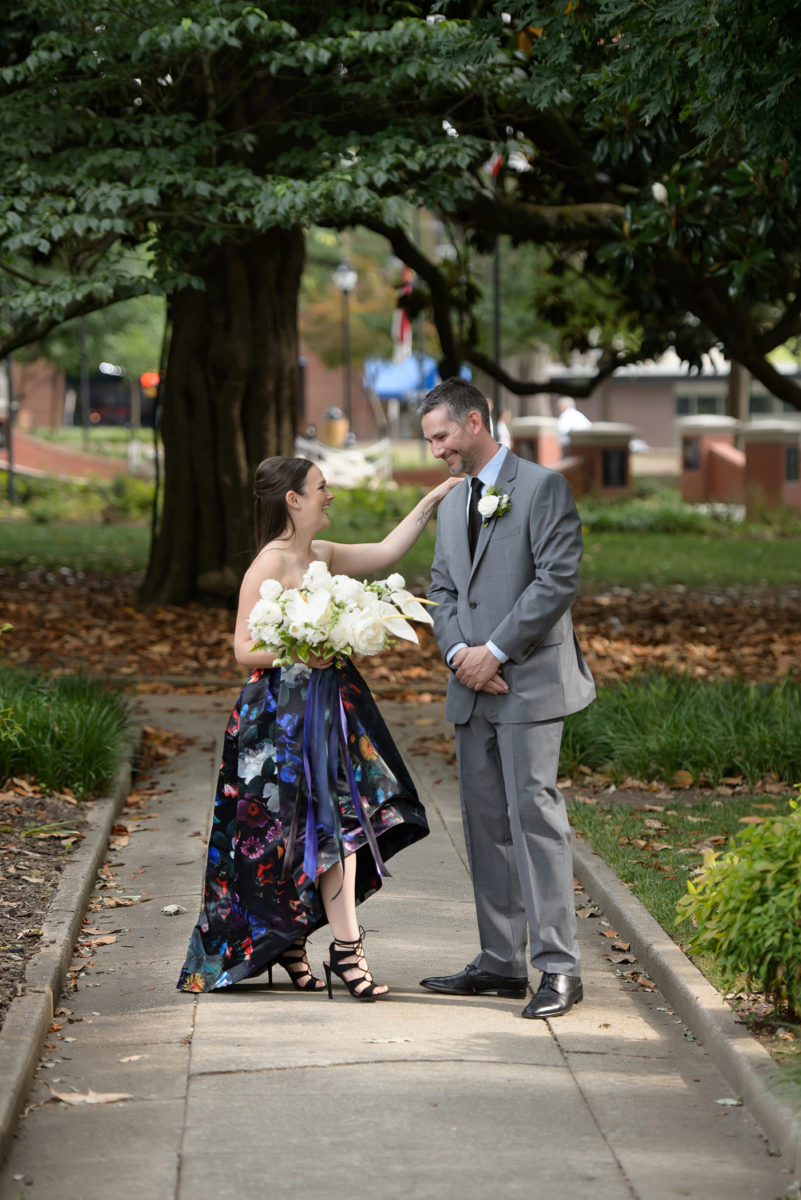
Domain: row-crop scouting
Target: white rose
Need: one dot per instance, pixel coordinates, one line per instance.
(395, 582)
(487, 506)
(270, 589)
(369, 633)
(265, 612)
(341, 635)
(346, 590)
(317, 576)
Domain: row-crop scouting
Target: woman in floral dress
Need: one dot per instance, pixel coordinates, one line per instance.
(260, 904)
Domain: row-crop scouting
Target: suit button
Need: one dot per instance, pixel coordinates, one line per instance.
(474, 604)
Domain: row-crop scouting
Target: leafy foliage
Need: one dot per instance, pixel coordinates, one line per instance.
(745, 907)
(627, 156)
(66, 732)
(656, 726)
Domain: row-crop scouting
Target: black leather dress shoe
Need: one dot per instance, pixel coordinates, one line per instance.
(472, 982)
(555, 996)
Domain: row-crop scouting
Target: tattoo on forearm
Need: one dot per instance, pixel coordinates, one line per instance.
(424, 517)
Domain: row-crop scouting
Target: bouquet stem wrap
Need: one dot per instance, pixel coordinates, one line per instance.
(325, 745)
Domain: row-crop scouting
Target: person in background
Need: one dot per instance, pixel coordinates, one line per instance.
(502, 432)
(568, 419)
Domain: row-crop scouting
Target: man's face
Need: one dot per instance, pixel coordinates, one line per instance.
(456, 444)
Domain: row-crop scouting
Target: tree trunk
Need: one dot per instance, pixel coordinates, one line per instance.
(231, 398)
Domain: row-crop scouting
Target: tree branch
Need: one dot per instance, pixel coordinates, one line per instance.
(409, 253)
(529, 387)
(33, 330)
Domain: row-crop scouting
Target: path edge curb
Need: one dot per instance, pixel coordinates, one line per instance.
(743, 1062)
(30, 1015)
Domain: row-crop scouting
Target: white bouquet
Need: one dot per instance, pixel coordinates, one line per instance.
(329, 615)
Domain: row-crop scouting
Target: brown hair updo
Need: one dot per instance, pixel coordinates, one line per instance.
(274, 478)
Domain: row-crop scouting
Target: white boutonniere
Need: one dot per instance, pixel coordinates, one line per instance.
(493, 503)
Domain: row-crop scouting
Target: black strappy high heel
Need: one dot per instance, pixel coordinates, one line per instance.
(338, 964)
(296, 965)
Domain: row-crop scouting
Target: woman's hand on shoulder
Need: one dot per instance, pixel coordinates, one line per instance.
(441, 490)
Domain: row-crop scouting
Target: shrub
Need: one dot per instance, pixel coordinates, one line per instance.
(65, 732)
(651, 726)
(746, 909)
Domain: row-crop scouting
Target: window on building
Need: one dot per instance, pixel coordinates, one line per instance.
(694, 404)
(613, 468)
(691, 454)
(791, 465)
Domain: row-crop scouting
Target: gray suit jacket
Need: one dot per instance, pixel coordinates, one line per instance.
(516, 592)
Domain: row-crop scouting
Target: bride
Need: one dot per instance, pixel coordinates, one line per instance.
(259, 903)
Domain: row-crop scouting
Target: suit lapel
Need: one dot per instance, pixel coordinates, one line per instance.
(505, 484)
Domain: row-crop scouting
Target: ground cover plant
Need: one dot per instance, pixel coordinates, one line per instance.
(744, 909)
(657, 846)
(666, 726)
(64, 732)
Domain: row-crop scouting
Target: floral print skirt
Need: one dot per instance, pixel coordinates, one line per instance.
(268, 845)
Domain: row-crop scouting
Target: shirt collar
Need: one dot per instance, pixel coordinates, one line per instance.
(491, 470)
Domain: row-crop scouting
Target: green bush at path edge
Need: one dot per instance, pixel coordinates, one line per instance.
(66, 732)
(746, 908)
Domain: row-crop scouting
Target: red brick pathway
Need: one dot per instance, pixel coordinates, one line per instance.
(32, 456)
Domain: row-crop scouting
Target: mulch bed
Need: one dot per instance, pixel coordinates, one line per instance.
(36, 835)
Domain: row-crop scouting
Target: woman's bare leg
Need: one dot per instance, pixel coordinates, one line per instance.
(338, 894)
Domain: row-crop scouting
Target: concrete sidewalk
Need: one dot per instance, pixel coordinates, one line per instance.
(270, 1091)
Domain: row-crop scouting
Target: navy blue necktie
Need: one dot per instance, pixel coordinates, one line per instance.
(473, 515)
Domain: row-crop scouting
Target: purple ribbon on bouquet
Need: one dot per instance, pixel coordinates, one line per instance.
(324, 735)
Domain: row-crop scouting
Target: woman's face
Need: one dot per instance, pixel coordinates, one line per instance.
(312, 503)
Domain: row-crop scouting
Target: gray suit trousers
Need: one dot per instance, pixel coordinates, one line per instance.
(518, 842)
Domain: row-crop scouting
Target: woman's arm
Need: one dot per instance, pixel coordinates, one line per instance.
(364, 557)
(267, 565)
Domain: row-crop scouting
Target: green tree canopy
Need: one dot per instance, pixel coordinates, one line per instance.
(210, 135)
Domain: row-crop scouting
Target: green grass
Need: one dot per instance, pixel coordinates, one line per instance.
(652, 726)
(112, 548)
(693, 560)
(65, 732)
(656, 848)
(647, 540)
(104, 439)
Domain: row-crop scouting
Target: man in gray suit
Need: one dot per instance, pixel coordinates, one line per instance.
(503, 625)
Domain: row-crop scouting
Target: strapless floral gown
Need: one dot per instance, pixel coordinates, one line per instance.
(290, 736)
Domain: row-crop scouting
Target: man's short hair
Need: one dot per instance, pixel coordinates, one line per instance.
(459, 398)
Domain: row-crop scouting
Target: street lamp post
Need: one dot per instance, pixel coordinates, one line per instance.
(345, 278)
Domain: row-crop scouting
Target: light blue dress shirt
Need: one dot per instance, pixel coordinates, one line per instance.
(488, 476)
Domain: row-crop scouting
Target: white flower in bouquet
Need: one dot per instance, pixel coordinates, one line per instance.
(394, 622)
(307, 616)
(264, 622)
(317, 577)
(346, 591)
(369, 632)
(332, 615)
(270, 589)
(342, 632)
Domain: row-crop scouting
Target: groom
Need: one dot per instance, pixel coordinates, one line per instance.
(505, 572)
